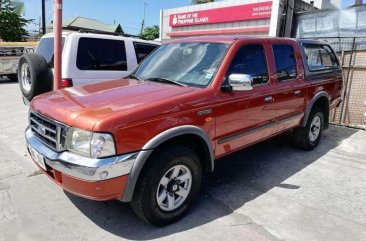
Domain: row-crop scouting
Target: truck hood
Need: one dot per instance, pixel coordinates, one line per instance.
(83, 106)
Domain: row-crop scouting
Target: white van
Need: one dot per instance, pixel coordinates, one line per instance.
(86, 58)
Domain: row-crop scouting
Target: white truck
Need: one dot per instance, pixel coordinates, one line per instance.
(9, 57)
(87, 57)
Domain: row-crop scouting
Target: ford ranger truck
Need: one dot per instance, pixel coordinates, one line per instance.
(147, 138)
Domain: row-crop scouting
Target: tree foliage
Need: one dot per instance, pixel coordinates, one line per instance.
(12, 25)
(150, 33)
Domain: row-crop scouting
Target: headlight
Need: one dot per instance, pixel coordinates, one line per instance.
(102, 145)
(78, 141)
(90, 144)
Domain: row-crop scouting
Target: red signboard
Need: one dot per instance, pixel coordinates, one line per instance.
(252, 11)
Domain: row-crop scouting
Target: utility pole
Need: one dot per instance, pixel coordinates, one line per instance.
(39, 27)
(143, 20)
(57, 29)
(43, 17)
(142, 26)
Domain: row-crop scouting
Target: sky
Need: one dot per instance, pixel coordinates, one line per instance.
(128, 13)
(346, 3)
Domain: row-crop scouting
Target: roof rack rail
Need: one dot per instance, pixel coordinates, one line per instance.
(107, 33)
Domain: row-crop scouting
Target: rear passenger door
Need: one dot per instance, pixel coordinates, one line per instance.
(289, 90)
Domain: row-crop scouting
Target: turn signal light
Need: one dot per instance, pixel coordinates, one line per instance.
(66, 83)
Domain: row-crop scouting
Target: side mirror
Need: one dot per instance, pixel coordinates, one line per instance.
(241, 82)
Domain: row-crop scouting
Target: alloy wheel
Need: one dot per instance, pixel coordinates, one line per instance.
(174, 188)
(314, 128)
(25, 77)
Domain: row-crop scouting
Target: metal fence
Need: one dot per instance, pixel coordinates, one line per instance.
(345, 30)
(351, 52)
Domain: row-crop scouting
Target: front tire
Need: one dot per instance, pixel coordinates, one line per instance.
(308, 137)
(167, 186)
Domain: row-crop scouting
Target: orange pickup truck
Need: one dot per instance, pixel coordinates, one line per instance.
(147, 138)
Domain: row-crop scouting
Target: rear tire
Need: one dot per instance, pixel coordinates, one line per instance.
(34, 75)
(161, 197)
(308, 137)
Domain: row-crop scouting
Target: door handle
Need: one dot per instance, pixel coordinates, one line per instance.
(268, 99)
(297, 92)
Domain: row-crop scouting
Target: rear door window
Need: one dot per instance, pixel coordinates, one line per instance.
(250, 60)
(143, 49)
(320, 57)
(45, 48)
(101, 54)
(285, 62)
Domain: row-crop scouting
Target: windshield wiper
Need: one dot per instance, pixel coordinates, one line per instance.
(132, 76)
(165, 80)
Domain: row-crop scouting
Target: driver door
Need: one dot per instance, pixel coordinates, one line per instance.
(244, 116)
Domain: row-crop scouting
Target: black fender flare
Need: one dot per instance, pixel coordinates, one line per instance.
(316, 97)
(149, 147)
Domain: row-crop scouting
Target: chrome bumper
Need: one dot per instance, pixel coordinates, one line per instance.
(82, 167)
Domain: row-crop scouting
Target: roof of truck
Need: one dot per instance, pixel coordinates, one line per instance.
(231, 38)
(100, 35)
(220, 38)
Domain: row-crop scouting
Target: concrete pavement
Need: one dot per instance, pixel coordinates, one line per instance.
(270, 191)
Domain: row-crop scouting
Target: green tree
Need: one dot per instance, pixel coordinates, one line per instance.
(12, 25)
(150, 33)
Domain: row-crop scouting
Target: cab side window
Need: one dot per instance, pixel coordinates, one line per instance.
(285, 62)
(250, 60)
(320, 57)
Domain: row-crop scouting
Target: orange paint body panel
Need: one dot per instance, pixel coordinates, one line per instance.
(111, 189)
(135, 112)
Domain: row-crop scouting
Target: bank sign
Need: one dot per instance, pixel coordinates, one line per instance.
(252, 11)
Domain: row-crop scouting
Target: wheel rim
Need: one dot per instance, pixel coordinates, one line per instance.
(174, 188)
(25, 77)
(315, 128)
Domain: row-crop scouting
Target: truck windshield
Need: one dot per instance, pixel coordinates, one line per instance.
(192, 64)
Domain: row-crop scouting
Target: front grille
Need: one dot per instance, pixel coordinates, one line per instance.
(48, 131)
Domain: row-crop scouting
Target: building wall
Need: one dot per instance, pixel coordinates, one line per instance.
(350, 22)
(248, 27)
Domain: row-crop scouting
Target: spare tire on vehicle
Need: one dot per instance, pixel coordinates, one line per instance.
(34, 75)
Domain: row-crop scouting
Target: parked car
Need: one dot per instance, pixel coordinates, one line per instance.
(146, 139)
(9, 57)
(87, 58)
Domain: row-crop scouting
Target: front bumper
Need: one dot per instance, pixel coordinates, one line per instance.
(99, 179)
